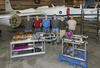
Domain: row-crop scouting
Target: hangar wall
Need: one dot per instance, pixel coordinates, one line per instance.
(2, 5)
(24, 4)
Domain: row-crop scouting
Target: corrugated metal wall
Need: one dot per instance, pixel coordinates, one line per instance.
(90, 3)
(2, 5)
(24, 4)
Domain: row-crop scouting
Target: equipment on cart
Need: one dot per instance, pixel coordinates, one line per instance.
(69, 34)
(24, 44)
(45, 36)
(74, 51)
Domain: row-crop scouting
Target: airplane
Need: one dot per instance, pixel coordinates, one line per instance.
(13, 18)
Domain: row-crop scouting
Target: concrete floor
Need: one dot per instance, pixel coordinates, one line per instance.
(48, 60)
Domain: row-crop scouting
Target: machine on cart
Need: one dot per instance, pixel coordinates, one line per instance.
(48, 37)
(24, 44)
(74, 51)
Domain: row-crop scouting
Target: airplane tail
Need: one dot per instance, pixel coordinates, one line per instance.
(8, 7)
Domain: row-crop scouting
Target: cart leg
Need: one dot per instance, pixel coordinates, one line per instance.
(71, 64)
(59, 59)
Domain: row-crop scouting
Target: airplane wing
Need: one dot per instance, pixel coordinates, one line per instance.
(23, 13)
(5, 16)
(30, 11)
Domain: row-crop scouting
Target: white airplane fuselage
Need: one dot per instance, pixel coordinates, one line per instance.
(59, 10)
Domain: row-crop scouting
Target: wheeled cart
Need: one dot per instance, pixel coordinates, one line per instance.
(24, 44)
(74, 52)
(27, 47)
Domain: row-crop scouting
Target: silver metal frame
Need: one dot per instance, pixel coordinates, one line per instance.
(28, 54)
(73, 42)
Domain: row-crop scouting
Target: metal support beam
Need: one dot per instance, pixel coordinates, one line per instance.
(82, 23)
(97, 22)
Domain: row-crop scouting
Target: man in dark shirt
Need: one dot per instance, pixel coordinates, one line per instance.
(55, 26)
(37, 24)
(28, 24)
(63, 26)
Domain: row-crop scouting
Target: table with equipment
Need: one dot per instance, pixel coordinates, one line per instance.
(24, 44)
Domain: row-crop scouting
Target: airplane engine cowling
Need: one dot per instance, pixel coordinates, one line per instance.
(15, 21)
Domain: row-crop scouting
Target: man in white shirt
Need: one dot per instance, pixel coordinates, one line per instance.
(72, 24)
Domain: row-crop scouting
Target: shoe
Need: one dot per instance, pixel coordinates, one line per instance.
(57, 43)
(53, 43)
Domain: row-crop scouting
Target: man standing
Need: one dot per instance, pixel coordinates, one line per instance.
(46, 24)
(63, 26)
(72, 24)
(37, 24)
(55, 26)
(28, 24)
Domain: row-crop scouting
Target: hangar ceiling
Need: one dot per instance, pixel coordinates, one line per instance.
(24, 4)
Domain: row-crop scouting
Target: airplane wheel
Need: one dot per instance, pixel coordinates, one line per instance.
(15, 21)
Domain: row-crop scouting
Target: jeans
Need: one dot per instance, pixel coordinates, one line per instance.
(46, 29)
(27, 30)
(37, 30)
(56, 30)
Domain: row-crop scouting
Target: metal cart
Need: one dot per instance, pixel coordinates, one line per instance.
(74, 51)
(25, 45)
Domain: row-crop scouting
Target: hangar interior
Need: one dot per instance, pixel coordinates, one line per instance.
(48, 56)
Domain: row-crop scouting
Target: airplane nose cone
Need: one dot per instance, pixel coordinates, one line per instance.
(15, 21)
